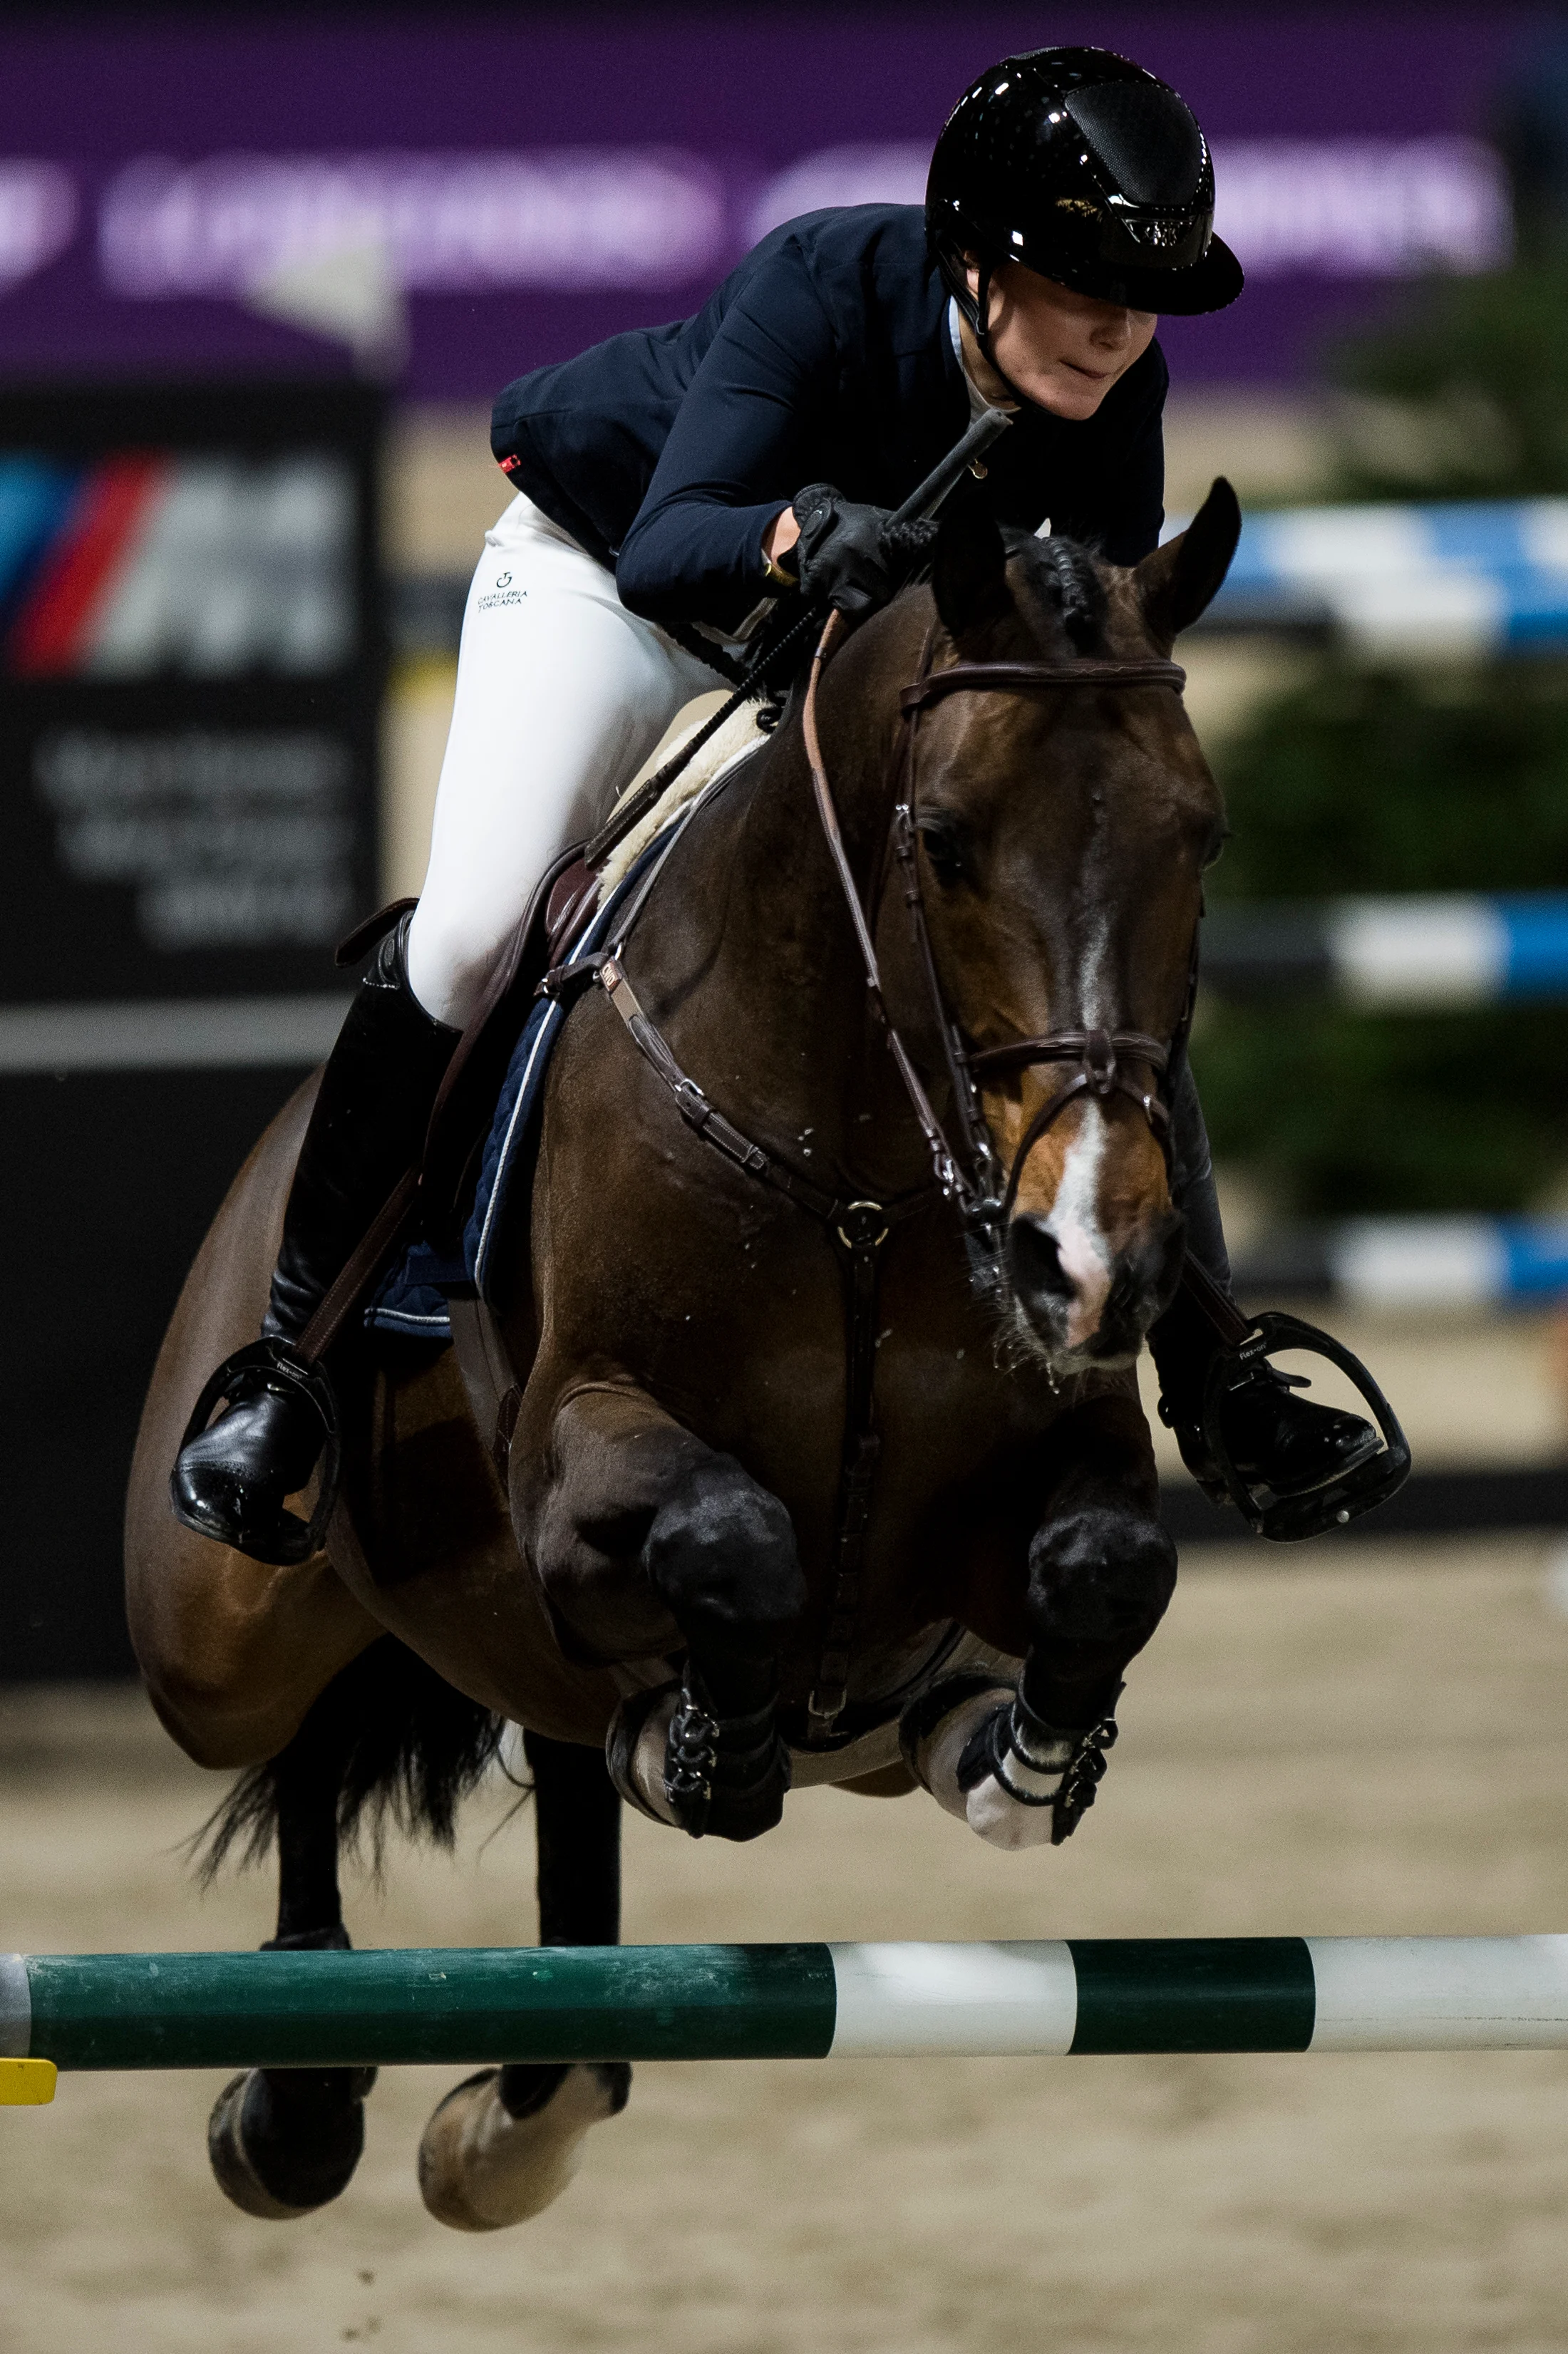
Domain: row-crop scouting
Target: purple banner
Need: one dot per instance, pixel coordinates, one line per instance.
(450, 205)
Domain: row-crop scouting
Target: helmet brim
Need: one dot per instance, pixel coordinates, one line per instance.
(1210, 284)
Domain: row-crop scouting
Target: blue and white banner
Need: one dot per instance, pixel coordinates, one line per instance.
(1417, 952)
(1421, 1263)
(1422, 581)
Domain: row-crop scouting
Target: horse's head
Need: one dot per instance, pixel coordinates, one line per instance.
(1062, 837)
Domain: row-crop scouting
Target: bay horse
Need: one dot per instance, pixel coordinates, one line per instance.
(770, 1457)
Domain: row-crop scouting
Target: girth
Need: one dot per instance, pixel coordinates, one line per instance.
(968, 1176)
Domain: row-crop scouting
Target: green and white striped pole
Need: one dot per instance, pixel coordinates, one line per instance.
(800, 2001)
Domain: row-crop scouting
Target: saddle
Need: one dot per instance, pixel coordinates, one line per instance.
(563, 904)
(559, 911)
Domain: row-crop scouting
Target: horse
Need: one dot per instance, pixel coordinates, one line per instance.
(799, 1439)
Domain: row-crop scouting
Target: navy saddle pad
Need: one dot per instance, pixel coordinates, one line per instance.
(413, 1295)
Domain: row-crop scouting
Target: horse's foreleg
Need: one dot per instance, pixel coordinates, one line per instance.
(1022, 1768)
(285, 2141)
(649, 1543)
(505, 2144)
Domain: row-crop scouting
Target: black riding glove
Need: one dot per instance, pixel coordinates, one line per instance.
(847, 555)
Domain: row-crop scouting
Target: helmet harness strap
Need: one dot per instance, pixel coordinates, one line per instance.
(976, 309)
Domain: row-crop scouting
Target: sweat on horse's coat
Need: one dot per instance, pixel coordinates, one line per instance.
(661, 1314)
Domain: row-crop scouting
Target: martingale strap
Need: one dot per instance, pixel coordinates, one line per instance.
(699, 1113)
(859, 1228)
(967, 1176)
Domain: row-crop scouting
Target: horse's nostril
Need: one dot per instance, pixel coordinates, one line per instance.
(1035, 1262)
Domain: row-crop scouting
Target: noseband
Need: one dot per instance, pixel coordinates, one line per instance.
(971, 1175)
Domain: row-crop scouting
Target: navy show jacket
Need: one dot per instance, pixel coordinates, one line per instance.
(825, 357)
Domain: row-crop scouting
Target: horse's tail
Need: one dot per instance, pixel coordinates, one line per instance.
(405, 1746)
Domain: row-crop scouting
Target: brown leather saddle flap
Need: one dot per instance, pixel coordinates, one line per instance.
(563, 901)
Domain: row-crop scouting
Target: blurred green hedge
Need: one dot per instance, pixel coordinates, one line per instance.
(1373, 781)
(1466, 389)
(1438, 779)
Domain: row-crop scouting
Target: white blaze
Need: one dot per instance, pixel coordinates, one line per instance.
(1074, 1224)
(1074, 1228)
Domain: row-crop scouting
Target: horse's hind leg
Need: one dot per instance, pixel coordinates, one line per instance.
(285, 2141)
(505, 2144)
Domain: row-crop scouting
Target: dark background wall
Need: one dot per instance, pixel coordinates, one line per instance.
(108, 1181)
(192, 657)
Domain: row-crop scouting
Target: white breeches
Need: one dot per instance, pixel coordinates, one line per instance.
(561, 695)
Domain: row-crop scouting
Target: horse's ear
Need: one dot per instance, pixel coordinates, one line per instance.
(969, 570)
(1179, 581)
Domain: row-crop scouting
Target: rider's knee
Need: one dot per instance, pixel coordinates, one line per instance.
(722, 1549)
(447, 965)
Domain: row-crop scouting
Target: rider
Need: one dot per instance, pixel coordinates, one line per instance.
(672, 484)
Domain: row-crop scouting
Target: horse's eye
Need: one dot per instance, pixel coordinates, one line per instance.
(947, 850)
(1215, 849)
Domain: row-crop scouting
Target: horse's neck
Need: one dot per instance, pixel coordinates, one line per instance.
(750, 954)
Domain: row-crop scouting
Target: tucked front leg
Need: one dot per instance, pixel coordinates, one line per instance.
(648, 1543)
(1021, 1766)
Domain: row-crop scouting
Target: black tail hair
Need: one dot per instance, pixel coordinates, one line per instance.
(408, 1748)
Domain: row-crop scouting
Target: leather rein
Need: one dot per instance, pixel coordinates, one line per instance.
(969, 1176)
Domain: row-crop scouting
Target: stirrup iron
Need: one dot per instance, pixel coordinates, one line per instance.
(1286, 1520)
(278, 1366)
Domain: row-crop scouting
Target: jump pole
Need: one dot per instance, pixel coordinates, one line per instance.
(1075, 1995)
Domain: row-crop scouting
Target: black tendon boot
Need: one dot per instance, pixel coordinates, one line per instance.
(366, 1128)
(1275, 1437)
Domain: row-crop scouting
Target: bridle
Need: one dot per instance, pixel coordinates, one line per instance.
(970, 1174)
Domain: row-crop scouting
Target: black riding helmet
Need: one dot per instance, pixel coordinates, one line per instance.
(1086, 169)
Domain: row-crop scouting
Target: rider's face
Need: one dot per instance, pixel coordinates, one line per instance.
(1063, 351)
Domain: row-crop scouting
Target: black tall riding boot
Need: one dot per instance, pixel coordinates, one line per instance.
(1274, 1436)
(366, 1128)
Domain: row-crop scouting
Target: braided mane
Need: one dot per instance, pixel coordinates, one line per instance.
(1068, 576)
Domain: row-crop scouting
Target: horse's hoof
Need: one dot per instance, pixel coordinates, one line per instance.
(279, 2149)
(938, 1733)
(719, 1777)
(482, 2168)
(634, 1750)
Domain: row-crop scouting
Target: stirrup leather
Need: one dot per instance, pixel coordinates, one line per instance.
(277, 1367)
(1287, 1519)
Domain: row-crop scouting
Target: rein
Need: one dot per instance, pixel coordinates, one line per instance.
(971, 1176)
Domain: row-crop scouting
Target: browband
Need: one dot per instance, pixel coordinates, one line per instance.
(1086, 670)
